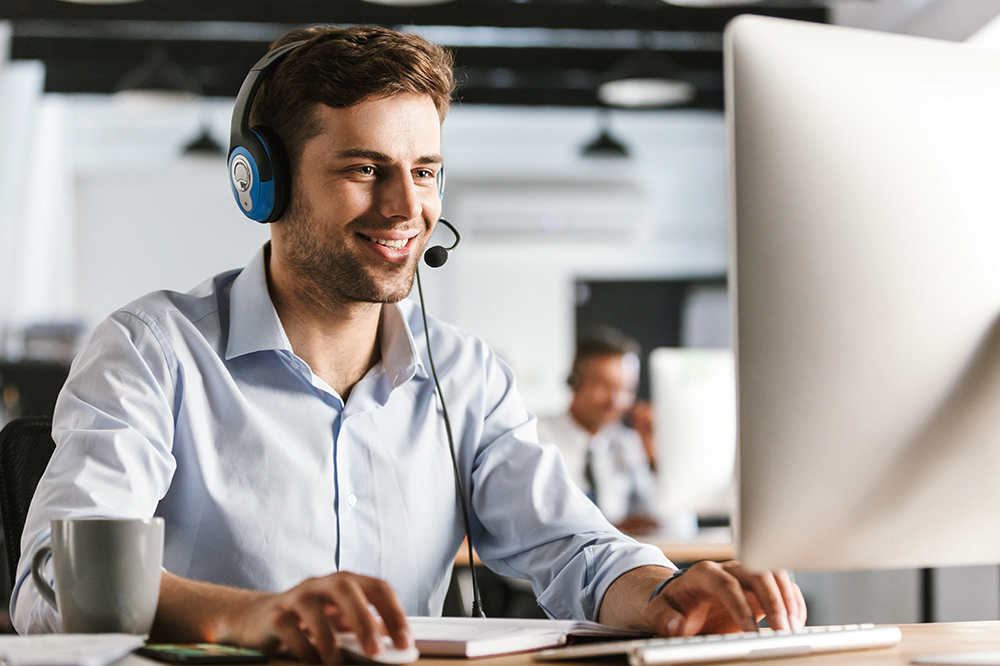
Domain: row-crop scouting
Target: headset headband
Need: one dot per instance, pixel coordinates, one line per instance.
(239, 133)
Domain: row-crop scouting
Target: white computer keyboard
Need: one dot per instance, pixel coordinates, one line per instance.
(765, 644)
(66, 649)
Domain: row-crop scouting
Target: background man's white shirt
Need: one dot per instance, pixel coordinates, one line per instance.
(625, 485)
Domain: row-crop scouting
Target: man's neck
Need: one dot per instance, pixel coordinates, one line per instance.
(337, 339)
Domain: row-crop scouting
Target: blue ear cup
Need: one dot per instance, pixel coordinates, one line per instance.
(258, 166)
(440, 182)
(260, 185)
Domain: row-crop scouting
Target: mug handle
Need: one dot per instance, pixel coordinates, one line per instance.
(36, 574)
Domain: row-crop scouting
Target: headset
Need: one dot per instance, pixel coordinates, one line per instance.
(259, 176)
(258, 165)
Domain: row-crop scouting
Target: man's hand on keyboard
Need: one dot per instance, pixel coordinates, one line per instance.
(710, 598)
(717, 598)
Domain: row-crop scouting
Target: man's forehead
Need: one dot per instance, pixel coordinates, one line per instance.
(602, 364)
(602, 361)
(388, 125)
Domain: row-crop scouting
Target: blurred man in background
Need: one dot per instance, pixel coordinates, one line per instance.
(604, 457)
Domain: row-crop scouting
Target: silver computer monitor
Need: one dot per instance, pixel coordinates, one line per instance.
(865, 240)
(694, 407)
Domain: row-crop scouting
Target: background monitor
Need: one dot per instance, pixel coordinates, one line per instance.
(694, 407)
(866, 273)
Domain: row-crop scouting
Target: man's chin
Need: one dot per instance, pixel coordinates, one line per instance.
(390, 299)
(383, 293)
(345, 279)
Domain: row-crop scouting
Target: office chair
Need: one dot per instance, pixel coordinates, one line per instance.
(25, 448)
(30, 387)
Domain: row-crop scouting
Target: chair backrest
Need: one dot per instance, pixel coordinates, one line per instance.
(25, 448)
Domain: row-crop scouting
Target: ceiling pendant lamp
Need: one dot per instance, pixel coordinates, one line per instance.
(645, 80)
(204, 145)
(605, 145)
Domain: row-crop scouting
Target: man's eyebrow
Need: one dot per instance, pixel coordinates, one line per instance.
(365, 154)
(430, 159)
(376, 156)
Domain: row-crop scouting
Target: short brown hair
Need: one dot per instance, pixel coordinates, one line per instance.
(600, 341)
(340, 67)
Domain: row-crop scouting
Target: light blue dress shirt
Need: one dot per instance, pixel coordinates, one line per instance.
(193, 407)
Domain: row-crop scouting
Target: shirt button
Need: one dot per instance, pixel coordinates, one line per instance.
(352, 500)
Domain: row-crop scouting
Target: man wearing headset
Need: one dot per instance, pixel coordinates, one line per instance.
(283, 420)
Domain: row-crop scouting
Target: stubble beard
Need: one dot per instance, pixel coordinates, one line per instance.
(333, 273)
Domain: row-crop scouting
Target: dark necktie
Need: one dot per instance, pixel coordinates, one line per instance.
(588, 475)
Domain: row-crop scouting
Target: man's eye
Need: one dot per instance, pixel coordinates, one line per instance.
(425, 173)
(367, 170)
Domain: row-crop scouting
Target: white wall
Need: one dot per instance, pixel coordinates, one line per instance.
(137, 233)
(20, 98)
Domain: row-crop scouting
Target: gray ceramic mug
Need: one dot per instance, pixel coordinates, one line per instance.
(107, 573)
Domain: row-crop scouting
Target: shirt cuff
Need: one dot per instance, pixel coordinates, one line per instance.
(579, 589)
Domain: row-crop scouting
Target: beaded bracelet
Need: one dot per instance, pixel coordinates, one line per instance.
(663, 583)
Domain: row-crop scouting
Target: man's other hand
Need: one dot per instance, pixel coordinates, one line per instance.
(709, 598)
(305, 619)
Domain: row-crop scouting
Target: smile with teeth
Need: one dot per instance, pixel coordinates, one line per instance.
(391, 244)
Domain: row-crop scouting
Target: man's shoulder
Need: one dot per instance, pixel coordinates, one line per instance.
(456, 351)
(208, 298)
(441, 330)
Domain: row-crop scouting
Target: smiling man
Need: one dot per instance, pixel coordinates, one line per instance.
(283, 420)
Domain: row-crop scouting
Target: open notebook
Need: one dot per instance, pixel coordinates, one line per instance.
(483, 637)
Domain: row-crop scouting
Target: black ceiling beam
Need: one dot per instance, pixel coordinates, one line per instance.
(582, 14)
(89, 48)
(558, 77)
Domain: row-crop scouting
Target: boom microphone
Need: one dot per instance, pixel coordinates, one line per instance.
(437, 255)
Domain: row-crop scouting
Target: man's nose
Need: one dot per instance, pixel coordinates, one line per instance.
(400, 198)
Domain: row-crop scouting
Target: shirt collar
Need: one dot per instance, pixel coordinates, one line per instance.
(605, 433)
(253, 322)
(254, 325)
(400, 359)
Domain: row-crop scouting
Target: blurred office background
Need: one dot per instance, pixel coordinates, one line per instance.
(573, 209)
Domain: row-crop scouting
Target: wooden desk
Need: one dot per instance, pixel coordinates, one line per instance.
(710, 545)
(918, 639)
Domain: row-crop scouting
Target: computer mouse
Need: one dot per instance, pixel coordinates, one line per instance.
(390, 654)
